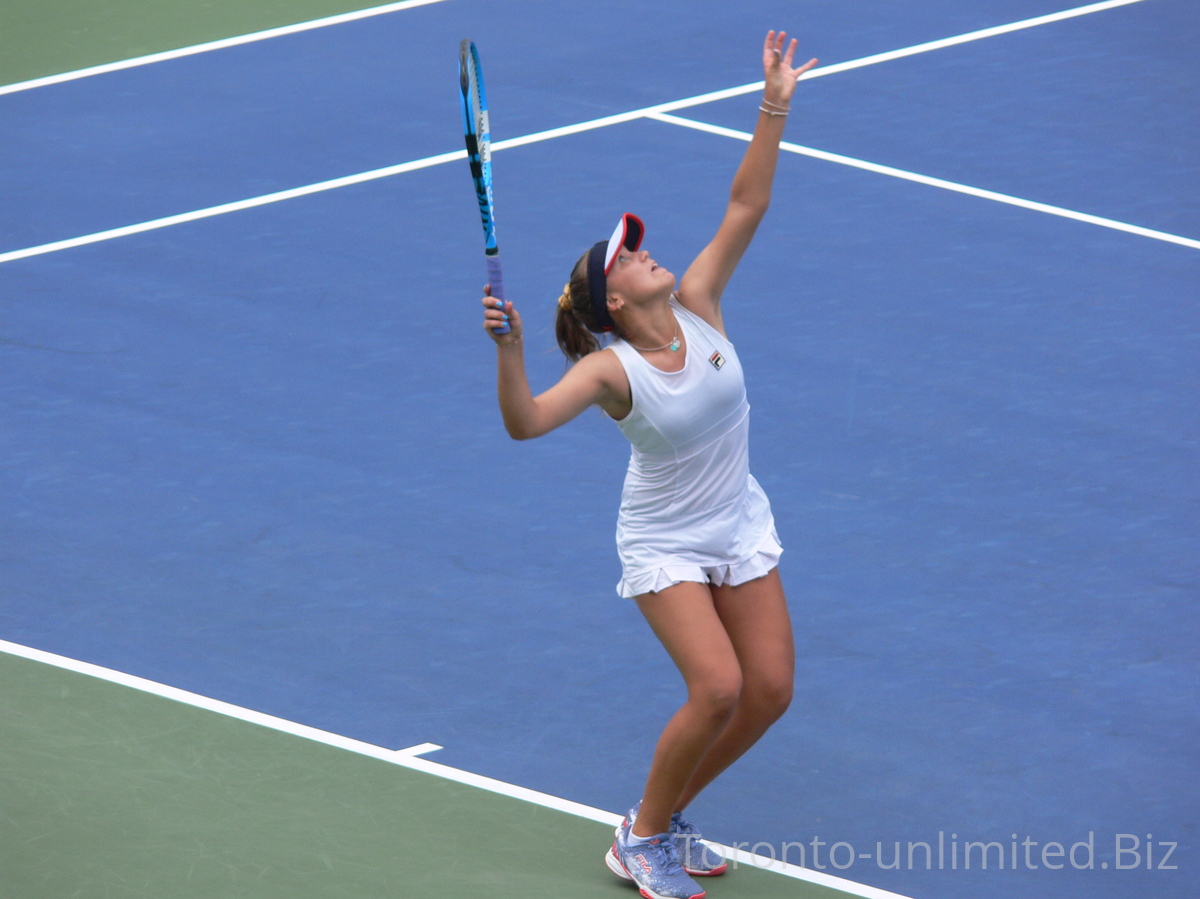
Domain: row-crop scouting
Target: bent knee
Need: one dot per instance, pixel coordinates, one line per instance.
(718, 696)
(770, 697)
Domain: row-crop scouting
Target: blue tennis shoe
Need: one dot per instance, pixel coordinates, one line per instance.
(653, 866)
(698, 858)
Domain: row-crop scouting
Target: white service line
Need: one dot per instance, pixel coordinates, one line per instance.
(209, 212)
(656, 111)
(410, 758)
(374, 174)
(936, 182)
(222, 44)
(360, 178)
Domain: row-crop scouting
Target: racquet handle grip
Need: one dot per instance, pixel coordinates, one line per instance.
(496, 282)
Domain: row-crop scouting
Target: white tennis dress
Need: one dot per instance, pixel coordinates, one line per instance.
(690, 509)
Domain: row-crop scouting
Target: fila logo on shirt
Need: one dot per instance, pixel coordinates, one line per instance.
(717, 360)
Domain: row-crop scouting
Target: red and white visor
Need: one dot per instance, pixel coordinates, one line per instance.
(600, 262)
(628, 234)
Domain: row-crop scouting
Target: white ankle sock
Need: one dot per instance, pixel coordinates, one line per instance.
(632, 839)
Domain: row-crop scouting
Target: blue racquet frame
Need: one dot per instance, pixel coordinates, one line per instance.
(479, 154)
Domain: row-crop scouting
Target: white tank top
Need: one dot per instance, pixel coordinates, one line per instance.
(688, 491)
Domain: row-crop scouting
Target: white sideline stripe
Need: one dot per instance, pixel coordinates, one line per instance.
(942, 43)
(136, 61)
(408, 758)
(875, 59)
(564, 131)
(966, 38)
(937, 182)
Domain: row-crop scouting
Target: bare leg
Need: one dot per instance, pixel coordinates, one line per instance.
(685, 620)
(755, 617)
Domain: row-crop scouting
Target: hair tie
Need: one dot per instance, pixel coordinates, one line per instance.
(564, 301)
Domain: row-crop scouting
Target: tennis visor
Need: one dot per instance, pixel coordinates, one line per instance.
(601, 257)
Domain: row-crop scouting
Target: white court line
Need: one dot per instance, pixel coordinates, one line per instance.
(406, 4)
(222, 44)
(965, 38)
(360, 178)
(236, 206)
(419, 749)
(936, 182)
(410, 758)
(942, 43)
(604, 122)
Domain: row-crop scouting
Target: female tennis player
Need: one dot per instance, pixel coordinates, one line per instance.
(695, 533)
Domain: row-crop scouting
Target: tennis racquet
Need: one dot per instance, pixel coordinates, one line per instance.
(479, 155)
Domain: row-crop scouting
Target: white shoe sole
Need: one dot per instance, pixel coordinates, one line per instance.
(614, 865)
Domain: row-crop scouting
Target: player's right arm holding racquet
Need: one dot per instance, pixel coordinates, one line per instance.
(597, 379)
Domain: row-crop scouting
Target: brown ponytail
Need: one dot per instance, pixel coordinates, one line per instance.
(575, 325)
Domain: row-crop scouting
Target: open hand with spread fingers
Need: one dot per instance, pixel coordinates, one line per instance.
(780, 77)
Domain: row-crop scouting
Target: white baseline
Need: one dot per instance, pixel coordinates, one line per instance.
(410, 758)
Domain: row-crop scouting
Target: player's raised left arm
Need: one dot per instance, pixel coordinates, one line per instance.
(704, 281)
